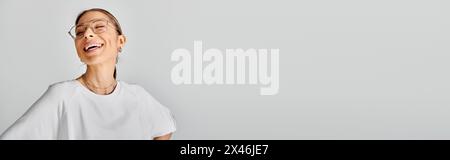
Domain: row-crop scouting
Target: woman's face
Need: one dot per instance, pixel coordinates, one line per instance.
(96, 48)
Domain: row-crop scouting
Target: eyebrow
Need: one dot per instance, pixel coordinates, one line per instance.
(96, 19)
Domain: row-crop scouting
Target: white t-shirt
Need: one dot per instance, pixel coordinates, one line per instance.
(68, 110)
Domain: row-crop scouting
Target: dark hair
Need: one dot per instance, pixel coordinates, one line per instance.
(111, 17)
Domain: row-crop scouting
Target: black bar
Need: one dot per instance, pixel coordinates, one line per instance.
(232, 149)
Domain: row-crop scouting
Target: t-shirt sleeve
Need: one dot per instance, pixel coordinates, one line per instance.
(161, 119)
(39, 122)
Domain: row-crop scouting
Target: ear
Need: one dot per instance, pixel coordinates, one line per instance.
(121, 40)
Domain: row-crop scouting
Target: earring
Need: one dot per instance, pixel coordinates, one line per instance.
(120, 49)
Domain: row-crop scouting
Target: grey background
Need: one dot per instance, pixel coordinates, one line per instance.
(349, 69)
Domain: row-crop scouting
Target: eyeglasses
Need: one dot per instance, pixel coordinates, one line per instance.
(97, 26)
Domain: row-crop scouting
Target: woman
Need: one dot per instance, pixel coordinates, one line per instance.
(95, 105)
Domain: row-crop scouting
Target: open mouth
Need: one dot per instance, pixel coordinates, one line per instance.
(92, 46)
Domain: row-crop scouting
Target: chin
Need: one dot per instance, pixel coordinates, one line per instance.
(97, 60)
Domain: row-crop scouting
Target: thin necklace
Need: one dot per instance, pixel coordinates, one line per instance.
(104, 89)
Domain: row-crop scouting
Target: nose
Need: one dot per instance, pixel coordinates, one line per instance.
(88, 33)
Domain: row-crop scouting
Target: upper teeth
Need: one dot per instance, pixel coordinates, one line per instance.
(92, 45)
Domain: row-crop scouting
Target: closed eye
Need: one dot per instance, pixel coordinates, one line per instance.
(97, 27)
(79, 33)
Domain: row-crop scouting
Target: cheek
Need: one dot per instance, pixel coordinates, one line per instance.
(78, 47)
(111, 44)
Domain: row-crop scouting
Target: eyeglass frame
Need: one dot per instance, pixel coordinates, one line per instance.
(90, 26)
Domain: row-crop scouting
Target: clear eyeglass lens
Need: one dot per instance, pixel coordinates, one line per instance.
(97, 27)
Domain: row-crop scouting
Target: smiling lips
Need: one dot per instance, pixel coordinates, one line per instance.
(89, 47)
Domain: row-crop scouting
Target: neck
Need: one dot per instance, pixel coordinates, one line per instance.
(100, 75)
